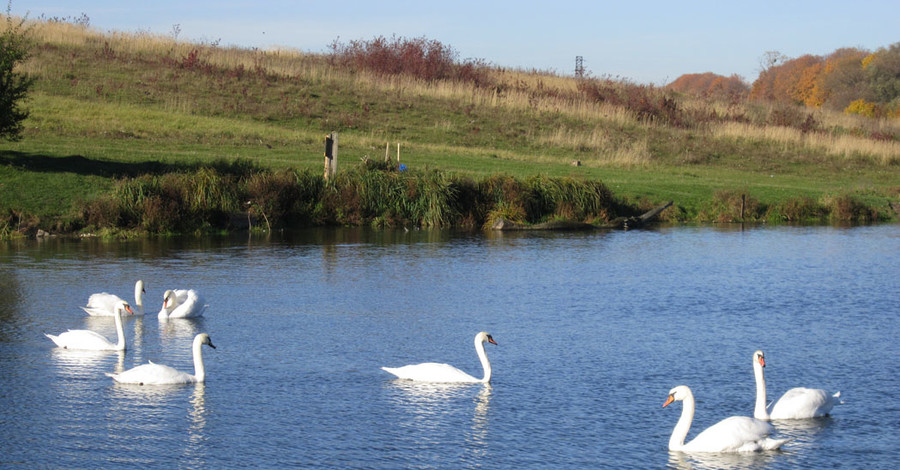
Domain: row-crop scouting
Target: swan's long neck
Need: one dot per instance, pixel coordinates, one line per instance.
(120, 329)
(139, 296)
(759, 411)
(485, 363)
(199, 370)
(679, 434)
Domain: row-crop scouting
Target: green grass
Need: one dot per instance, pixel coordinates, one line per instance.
(108, 107)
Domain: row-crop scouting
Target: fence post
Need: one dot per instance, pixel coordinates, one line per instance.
(331, 154)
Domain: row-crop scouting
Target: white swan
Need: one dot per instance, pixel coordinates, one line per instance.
(734, 434)
(103, 304)
(158, 374)
(91, 340)
(445, 373)
(182, 303)
(796, 403)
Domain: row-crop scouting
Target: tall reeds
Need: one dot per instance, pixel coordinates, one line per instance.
(373, 193)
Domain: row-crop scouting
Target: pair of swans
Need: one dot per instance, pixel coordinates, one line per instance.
(91, 340)
(734, 434)
(158, 374)
(796, 403)
(445, 373)
(744, 434)
(177, 303)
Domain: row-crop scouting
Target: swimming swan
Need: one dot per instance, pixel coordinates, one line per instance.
(734, 434)
(103, 304)
(91, 340)
(796, 403)
(182, 303)
(158, 374)
(445, 373)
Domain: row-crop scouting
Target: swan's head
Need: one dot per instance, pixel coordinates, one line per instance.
(124, 307)
(203, 338)
(166, 297)
(759, 358)
(484, 337)
(678, 393)
(139, 286)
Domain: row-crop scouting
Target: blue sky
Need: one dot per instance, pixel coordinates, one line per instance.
(646, 41)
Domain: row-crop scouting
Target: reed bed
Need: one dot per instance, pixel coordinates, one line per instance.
(372, 193)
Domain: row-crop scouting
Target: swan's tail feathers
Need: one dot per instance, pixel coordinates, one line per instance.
(775, 444)
(54, 338)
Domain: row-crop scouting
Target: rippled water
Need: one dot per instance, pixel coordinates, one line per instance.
(593, 331)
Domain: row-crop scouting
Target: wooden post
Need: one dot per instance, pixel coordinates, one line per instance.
(387, 151)
(398, 153)
(331, 154)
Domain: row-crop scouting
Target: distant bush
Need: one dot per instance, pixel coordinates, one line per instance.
(649, 103)
(710, 85)
(422, 58)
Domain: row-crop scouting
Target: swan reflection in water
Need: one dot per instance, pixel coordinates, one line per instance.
(478, 438)
(179, 328)
(731, 460)
(85, 364)
(195, 452)
(152, 410)
(802, 432)
(429, 409)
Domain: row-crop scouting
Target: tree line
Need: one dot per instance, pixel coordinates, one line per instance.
(852, 80)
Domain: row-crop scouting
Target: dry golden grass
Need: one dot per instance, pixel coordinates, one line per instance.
(839, 146)
(607, 151)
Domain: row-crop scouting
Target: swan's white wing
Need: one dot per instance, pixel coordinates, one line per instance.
(102, 304)
(735, 434)
(802, 403)
(82, 339)
(153, 374)
(431, 372)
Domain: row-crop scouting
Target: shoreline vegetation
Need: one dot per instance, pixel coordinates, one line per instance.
(135, 133)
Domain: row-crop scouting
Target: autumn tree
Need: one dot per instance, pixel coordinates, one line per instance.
(882, 71)
(711, 85)
(844, 78)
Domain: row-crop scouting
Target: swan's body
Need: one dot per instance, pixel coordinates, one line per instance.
(796, 403)
(734, 434)
(182, 303)
(104, 304)
(91, 340)
(445, 373)
(158, 374)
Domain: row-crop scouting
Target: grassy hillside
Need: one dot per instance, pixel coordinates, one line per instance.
(109, 106)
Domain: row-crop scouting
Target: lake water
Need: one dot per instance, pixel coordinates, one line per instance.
(593, 331)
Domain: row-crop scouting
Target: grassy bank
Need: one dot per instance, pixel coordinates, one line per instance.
(113, 109)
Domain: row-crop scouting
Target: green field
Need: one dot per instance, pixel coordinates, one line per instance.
(108, 107)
